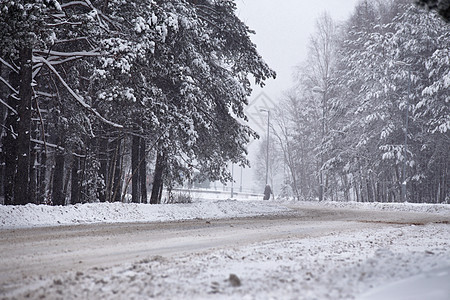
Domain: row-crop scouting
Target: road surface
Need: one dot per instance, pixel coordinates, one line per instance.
(49, 251)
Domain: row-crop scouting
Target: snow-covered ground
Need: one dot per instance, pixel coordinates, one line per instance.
(41, 215)
(388, 262)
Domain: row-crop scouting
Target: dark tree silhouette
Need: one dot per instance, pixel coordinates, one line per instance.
(441, 6)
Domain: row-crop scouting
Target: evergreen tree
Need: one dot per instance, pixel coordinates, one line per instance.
(441, 6)
(387, 123)
(172, 75)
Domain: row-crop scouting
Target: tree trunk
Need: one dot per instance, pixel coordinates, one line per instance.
(34, 150)
(75, 183)
(58, 180)
(33, 175)
(42, 196)
(103, 158)
(157, 179)
(160, 192)
(3, 114)
(21, 192)
(117, 178)
(9, 151)
(83, 195)
(66, 178)
(135, 147)
(143, 170)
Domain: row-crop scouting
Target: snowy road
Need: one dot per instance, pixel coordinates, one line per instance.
(35, 254)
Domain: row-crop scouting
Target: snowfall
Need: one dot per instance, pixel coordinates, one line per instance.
(395, 262)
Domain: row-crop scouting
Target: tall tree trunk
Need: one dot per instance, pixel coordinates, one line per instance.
(67, 177)
(135, 157)
(160, 192)
(42, 196)
(33, 175)
(3, 95)
(157, 179)
(33, 164)
(75, 183)
(346, 187)
(9, 151)
(143, 170)
(58, 196)
(103, 158)
(83, 195)
(117, 178)
(21, 190)
(3, 114)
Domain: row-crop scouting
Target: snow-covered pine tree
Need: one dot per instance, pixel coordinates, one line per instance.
(197, 79)
(38, 40)
(387, 137)
(384, 80)
(441, 6)
(174, 74)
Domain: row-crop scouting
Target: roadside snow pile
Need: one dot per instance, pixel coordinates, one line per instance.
(428, 285)
(441, 209)
(42, 215)
(32, 215)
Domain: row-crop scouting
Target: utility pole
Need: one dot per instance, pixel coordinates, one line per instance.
(267, 148)
(240, 186)
(232, 180)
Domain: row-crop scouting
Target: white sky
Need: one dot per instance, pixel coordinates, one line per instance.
(283, 28)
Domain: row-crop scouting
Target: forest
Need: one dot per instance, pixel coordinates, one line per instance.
(368, 119)
(104, 99)
(96, 95)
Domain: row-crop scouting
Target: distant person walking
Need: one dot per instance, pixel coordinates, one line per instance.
(267, 192)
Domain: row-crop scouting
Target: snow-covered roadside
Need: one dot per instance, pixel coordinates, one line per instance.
(41, 215)
(340, 266)
(32, 215)
(440, 209)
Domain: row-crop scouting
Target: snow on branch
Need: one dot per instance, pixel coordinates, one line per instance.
(91, 53)
(45, 94)
(86, 3)
(53, 60)
(57, 57)
(44, 143)
(73, 3)
(75, 95)
(8, 65)
(62, 41)
(64, 23)
(8, 85)
(7, 106)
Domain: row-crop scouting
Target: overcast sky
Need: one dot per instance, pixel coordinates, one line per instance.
(283, 28)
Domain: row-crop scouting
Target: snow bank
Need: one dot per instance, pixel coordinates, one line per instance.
(428, 285)
(42, 215)
(441, 209)
(32, 215)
